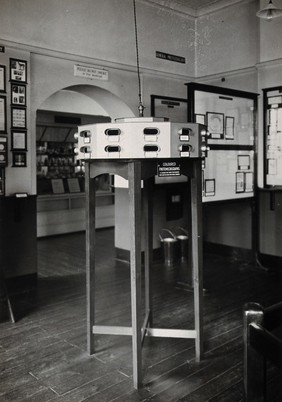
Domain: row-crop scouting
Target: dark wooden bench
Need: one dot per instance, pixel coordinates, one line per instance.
(262, 345)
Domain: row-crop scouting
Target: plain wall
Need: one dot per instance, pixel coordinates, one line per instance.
(101, 30)
(227, 39)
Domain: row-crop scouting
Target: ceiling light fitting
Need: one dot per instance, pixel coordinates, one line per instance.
(269, 12)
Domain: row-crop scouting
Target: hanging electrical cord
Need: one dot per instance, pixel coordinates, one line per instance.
(141, 107)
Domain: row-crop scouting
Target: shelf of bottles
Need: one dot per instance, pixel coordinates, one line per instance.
(57, 161)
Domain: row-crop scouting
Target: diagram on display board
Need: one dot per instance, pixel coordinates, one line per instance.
(273, 136)
(228, 175)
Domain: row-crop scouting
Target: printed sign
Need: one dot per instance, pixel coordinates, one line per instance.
(168, 169)
(91, 72)
(170, 57)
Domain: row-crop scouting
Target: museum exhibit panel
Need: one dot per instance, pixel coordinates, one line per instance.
(271, 180)
(272, 118)
(229, 171)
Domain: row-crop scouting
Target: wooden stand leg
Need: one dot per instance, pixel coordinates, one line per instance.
(134, 178)
(197, 260)
(90, 257)
(148, 218)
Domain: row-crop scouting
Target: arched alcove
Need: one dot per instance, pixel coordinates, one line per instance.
(83, 99)
(60, 187)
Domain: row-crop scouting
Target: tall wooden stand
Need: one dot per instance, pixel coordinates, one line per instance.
(135, 171)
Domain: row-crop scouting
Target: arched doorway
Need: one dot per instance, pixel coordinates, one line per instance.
(60, 183)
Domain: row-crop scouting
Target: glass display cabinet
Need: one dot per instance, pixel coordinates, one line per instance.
(229, 171)
(60, 176)
(272, 119)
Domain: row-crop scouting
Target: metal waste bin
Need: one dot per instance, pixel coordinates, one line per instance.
(169, 246)
(182, 238)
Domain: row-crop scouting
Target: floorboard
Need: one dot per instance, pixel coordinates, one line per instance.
(43, 355)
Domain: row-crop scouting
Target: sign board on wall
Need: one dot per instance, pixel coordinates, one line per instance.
(90, 72)
(170, 57)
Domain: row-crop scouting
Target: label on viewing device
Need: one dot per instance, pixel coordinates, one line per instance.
(167, 169)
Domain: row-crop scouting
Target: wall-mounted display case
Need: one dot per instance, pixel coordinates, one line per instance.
(229, 171)
(56, 161)
(272, 109)
(174, 109)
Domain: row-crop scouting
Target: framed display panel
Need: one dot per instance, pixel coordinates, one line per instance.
(3, 151)
(18, 95)
(200, 119)
(238, 108)
(3, 115)
(58, 186)
(2, 78)
(223, 179)
(215, 124)
(18, 118)
(174, 109)
(272, 105)
(230, 116)
(19, 159)
(18, 140)
(18, 70)
(73, 185)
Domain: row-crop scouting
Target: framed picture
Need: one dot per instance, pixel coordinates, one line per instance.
(3, 115)
(2, 78)
(73, 185)
(18, 70)
(229, 127)
(18, 117)
(209, 187)
(3, 151)
(272, 166)
(249, 182)
(172, 109)
(58, 186)
(18, 94)
(18, 142)
(215, 123)
(240, 182)
(19, 159)
(200, 118)
(244, 162)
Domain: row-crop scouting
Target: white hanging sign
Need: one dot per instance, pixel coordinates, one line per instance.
(90, 72)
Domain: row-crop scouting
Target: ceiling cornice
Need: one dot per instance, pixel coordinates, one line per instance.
(172, 5)
(219, 5)
(179, 6)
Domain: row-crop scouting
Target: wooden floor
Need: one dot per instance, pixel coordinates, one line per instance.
(43, 355)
